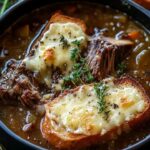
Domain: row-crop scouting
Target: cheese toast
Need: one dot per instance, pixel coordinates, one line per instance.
(52, 49)
(73, 120)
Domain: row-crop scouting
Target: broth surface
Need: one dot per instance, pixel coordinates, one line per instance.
(13, 46)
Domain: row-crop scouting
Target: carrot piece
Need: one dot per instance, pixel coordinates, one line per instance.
(134, 35)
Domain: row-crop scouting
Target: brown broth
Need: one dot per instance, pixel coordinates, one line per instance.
(138, 63)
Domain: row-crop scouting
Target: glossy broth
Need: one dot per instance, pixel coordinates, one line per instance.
(13, 45)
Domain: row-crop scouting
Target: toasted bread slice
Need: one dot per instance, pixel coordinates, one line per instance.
(53, 47)
(73, 120)
(57, 17)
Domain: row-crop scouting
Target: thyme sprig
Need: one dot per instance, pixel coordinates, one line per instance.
(74, 54)
(100, 89)
(80, 72)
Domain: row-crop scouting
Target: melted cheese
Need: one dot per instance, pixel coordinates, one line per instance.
(51, 51)
(78, 113)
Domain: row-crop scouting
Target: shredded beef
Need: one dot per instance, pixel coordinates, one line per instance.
(101, 58)
(104, 53)
(16, 84)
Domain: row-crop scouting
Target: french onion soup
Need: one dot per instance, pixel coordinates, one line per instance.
(74, 77)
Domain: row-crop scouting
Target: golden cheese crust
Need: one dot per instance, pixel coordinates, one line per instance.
(53, 47)
(58, 17)
(79, 141)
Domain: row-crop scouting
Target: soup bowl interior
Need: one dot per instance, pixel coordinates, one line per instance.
(22, 8)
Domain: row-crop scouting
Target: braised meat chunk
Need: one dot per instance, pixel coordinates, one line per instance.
(105, 53)
(16, 84)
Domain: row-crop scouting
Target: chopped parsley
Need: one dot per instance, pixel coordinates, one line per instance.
(100, 89)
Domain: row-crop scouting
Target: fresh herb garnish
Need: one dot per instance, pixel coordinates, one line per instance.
(100, 89)
(64, 41)
(74, 54)
(121, 68)
(5, 5)
(79, 74)
(75, 51)
(90, 77)
(77, 43)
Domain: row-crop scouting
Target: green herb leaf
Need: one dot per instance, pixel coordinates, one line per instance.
(5, 5)
(74, 54)
(100, 89)
(79, 74)
(121, 68)
(75, 51)
(90, 77)
(77, 42)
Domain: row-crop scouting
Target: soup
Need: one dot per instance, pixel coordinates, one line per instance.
(113, 23)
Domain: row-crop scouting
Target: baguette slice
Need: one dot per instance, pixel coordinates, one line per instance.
(53, 48)
(57, 17)
(72, 120)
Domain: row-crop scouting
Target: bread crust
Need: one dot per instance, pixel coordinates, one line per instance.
(60, 18)
(56, 17)
(73, 141)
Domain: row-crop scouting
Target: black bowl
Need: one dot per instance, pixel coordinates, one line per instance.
(7, 137)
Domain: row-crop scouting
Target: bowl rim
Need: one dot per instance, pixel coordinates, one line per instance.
(18, 138)
(11, 133)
